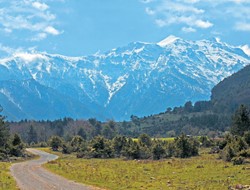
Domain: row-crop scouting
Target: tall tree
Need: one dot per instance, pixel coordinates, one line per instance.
(4, 131)
(32, 135)
(82, 133)
(241, 121)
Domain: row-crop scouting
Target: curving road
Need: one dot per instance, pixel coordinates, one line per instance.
(30, 175)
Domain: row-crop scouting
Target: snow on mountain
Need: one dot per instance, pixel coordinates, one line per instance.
(139, 79)
(169, 40)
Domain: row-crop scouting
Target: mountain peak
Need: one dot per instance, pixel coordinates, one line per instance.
(169, 40)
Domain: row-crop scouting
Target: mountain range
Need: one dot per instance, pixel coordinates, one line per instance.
(137, 79)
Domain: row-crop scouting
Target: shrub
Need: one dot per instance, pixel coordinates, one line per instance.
(66, 148)
(158, 151)
(247, 137)
(145, 140)
(132, 150)
(186, 147)
(205, 141)
(244, 153)
(76, 143)
(43, 144)
(55, 142)
(119, 143)
(227, 153)
(101, 148)
(238, 160)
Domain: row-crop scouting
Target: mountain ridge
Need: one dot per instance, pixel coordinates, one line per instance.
(137, 79)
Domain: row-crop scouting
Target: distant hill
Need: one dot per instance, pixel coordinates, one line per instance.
(204, 117)
(232, 91)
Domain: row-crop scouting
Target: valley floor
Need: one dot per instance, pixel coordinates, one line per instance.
(201, 172)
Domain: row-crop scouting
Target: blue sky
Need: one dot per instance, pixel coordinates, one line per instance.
(82, 27)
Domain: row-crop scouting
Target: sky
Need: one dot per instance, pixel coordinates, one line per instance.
(84, 27)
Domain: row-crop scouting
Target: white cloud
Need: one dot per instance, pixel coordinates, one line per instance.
(189, 21)
(30, 57)
(9, 51)
(149, 11)
(246, 49)
(201, 14)
(39, 37)
(6, 49)
(40, 6)
(203, 24)
(32, 17)
(241, 1)
(191, 1)
(161, 23)
(242, 26)
(7, 30)
(147, 1)
(188, 29)
(173, 7)
(179, 12)
(51, 30)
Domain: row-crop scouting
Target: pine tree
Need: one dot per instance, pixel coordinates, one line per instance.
(241, 121)
(4, 131)
(82, 133)
(32, 135)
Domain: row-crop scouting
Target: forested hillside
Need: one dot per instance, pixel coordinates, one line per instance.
(203, 117)
(232, 91)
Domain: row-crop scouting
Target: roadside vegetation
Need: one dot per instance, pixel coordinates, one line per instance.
(6, 180)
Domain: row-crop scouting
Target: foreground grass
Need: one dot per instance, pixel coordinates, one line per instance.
(203, 172)
(6, 180)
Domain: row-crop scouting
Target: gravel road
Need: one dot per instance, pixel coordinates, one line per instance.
(30, 175)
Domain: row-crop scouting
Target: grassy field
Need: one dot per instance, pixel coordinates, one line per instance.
(202, 172)
(7, 182)
(169, 139)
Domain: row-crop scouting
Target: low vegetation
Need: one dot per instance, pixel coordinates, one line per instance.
(6, 180)
(123, 147)
(147, 163)
(202, 172)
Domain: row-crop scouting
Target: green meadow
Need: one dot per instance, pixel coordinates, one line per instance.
(202, 172)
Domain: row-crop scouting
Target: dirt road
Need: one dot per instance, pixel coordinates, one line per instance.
(30, 175)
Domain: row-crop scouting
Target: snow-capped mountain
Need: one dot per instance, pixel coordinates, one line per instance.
(137, 79)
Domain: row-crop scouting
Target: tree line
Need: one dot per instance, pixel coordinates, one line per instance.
(94, 139)
(10, 145)
(125, 147)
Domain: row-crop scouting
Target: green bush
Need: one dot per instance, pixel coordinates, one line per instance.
(205, 141)
(55, 142)
(186, 146)
(244, 153)
(101, 148)
(247, 137)
(238, 160)
(158, 151)
(66, 148)
(227, 153)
